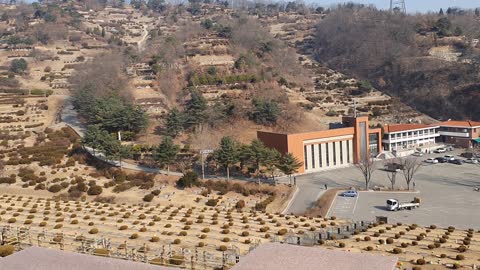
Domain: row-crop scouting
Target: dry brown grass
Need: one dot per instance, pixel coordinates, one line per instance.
(323, 204)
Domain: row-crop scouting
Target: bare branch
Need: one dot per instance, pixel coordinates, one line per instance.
(367, 167)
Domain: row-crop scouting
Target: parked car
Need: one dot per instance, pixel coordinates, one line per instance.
(449, 157)
(349, 193)
(440, 150)
(471, 161)
(417, 154)
(393, 167)
(431, 160)
(456, 161)
(441, 159)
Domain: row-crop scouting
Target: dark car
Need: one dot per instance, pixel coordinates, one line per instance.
(456, 161)
(441, 159)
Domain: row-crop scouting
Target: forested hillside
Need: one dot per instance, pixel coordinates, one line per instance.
(430, 61)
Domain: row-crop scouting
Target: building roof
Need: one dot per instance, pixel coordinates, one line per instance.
(275, 256)
(405, 127)
(452, 123)
(36, 258)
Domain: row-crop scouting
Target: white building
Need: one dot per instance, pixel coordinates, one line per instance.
(409, 137)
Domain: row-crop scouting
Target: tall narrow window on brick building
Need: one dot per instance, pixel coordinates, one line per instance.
(341, 152)
(313, 156)
(305, 157)
(348, 151)
(320, 159)
(327, 155)
(334, 144)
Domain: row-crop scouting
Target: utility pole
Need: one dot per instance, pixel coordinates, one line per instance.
(398, 5)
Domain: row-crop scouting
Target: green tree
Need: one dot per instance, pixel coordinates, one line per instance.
(166, 153)
(114, 150)
(195, 109)
(272, 161)
(18, 65)
(103, 32)
(95, 137)
(255, 153)
(289, 165)
(174, 123)
(227, 154)
(189, 179)
(265, 112)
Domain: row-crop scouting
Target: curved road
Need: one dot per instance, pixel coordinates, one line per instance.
(70, 118)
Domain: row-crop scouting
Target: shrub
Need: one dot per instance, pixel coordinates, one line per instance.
(397, 250)
(431, 246)
(148, 198)
(459, 257)
(404, 245)
(389, 241)
(123, 227)
(211, 202)
(341, 245)
(6, 250)
(94, 190)
(282, 231)
(420, 261)
(222, 248)
(134, 236)
(12, 220)
(177, 259)
(93, 231)
(462, 249)
(245, 234)
(367, 238)
(369, 248)
(240, 204)
(54, 188)
(189, 179)
(226, 239)
(154, 239)
(156, 192)
(176, 241)
(58, 226)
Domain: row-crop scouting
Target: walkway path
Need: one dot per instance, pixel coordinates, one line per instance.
(70, 118)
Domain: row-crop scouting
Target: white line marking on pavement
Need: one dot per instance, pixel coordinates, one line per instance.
(291, 200)
(330, 207)
(355, 206)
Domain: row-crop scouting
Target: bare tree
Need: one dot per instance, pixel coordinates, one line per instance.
(392, 174)
(410, 167)
(367, 167)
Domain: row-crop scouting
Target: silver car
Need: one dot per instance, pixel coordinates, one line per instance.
(471, 161)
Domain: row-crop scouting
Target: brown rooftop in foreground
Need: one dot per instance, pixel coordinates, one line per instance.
(275, 256)
(35, 258)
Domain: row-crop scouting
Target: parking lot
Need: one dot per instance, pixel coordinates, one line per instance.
(446, 192)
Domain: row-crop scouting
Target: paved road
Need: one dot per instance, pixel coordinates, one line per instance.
(70, 118)
(446, 191)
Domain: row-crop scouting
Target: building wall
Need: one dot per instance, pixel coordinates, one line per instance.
(297, 143)
(328, 148)
(277, 141)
